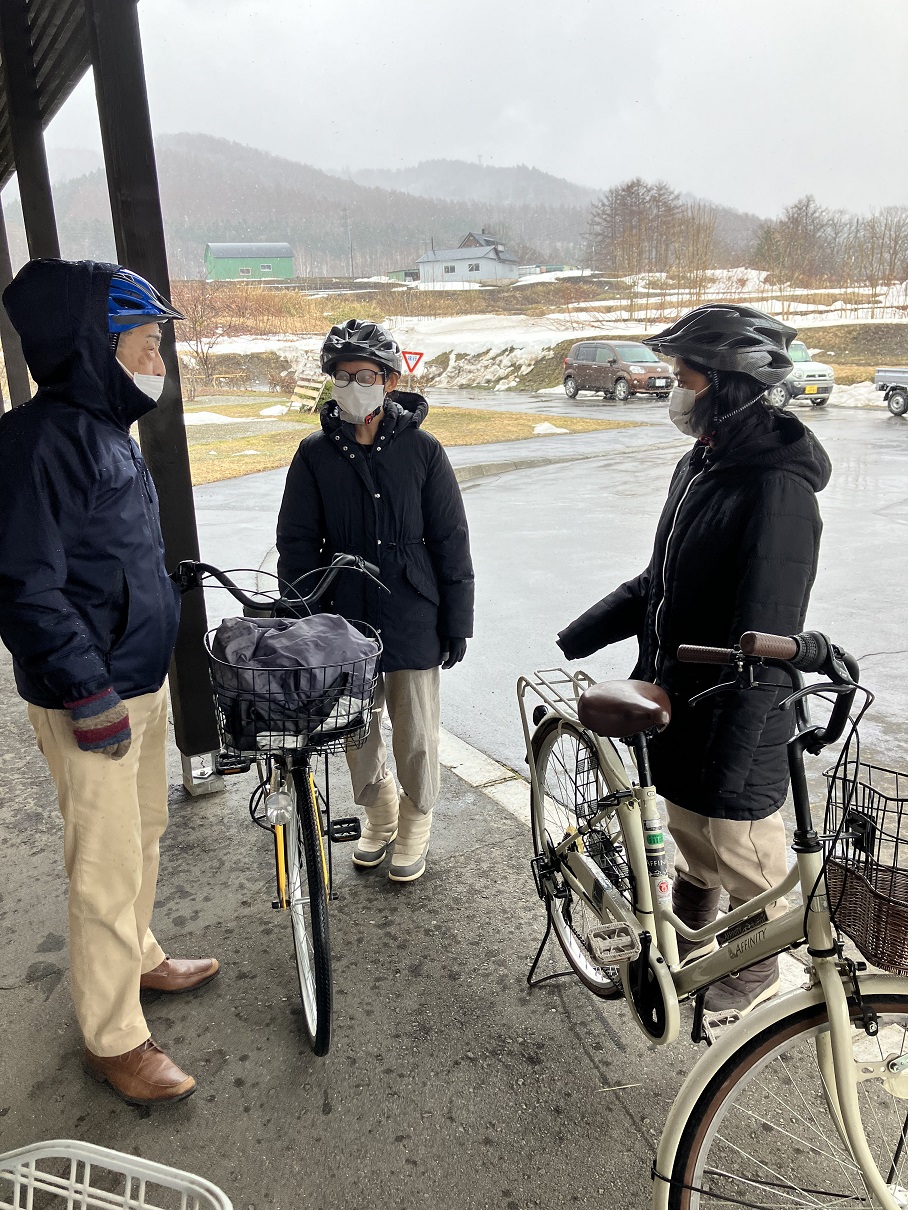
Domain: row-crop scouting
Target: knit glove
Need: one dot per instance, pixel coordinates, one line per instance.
(453, 651)
(101, 724)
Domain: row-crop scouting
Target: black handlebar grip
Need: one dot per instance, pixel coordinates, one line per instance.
(768, 646)
(813, 651)
(688, 654)
(372, 569)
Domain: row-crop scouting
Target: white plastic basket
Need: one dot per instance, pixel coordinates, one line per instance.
(80, 1176)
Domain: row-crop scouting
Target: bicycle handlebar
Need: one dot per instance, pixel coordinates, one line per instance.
(809, 651)
(688, 654)
(188, 574)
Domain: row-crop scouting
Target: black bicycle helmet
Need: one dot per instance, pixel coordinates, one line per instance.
(729, 337)
(361, 338)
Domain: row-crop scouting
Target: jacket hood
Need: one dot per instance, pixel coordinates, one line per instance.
(59, 309)
(787, 445)
(403, 409)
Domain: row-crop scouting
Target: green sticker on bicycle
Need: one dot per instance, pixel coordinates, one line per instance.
(654, 838)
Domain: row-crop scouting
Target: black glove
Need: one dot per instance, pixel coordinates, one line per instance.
(452, 651)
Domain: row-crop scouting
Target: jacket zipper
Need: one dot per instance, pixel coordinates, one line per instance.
(668, 542)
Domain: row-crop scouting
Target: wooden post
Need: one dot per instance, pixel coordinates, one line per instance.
(116, 54)
(16, 369)
(26, 130)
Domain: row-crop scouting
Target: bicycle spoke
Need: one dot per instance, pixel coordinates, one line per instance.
(769, 1136)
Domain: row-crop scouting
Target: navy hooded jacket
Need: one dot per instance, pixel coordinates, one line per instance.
(85, 601)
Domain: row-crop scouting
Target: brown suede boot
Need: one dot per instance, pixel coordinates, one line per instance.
(697, 907)
(143, 1076)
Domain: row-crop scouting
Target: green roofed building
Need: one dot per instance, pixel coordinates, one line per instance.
(248, 262)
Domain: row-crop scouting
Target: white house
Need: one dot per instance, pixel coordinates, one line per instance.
(478, 258)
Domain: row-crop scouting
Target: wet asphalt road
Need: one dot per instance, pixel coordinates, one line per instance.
(549, 541)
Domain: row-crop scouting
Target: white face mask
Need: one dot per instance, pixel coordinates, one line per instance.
(151, 385)
(357, 403)
(680, 405)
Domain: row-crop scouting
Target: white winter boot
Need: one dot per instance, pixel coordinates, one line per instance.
(380, 828)
(408, 861)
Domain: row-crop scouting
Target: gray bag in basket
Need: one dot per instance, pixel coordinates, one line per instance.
(292, 676)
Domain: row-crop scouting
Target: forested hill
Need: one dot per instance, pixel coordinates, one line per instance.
(214, 189)
(458, 180)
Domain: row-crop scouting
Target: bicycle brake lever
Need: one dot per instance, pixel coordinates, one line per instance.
(813, 690)
(745, 681)
(186, 575)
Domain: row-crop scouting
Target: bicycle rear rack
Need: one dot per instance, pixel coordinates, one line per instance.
(558, 690)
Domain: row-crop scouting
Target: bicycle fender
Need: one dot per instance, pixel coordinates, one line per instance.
(709, 1064)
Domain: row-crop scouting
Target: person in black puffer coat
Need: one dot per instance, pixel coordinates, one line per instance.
(373, 483)
(736, 549)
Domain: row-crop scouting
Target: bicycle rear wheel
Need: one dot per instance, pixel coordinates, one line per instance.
(571, 782)
(762, 1133)
(307, 890)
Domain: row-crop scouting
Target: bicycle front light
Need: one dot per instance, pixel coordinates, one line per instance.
(279, 808)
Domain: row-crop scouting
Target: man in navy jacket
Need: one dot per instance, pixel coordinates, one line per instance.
(90, 617)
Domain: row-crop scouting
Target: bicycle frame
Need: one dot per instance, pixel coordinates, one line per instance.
(746, 935)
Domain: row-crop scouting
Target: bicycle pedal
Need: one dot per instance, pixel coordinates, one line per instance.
(348, 828)
(610, 944)
(230, 765)
(715, 1025)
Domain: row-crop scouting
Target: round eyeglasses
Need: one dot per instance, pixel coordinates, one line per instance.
(365, 378)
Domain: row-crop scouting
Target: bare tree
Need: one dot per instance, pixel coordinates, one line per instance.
(212, 311)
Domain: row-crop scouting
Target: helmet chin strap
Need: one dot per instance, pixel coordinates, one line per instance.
(717, 419)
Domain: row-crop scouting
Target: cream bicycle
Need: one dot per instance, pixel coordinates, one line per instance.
(803, 1102)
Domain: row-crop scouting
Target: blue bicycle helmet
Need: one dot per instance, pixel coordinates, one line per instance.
(133, 301)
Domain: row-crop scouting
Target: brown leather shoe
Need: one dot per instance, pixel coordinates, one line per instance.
(144, 1076)
(180, 975)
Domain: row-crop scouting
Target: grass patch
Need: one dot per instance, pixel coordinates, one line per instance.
(473, 426)
(848, 375)
(212, 461)
(859, 344)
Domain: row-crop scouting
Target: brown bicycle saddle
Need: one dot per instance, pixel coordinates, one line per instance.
(623, 708)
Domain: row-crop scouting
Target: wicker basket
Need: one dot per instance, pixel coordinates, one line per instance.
(867, 867)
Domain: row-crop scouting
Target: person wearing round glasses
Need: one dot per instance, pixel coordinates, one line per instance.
(373, 483)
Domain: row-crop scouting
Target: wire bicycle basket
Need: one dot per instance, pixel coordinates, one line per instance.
(296, 706)
(866, 867)
(70, 1175)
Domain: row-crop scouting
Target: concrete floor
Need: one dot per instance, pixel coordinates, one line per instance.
(448, 1084)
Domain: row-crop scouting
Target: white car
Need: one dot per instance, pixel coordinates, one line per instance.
(810, 381)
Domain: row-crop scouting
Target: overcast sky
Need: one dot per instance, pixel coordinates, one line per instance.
(752, 103)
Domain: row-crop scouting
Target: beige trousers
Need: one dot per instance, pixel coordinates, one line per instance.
(114, 813)
(412, 699)
(746, 857)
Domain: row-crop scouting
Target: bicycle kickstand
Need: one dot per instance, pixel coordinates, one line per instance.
(531, 982)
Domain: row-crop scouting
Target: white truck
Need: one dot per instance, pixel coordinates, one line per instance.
(810, 381)
(894, 382)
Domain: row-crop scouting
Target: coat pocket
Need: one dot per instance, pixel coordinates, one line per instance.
(422, 579)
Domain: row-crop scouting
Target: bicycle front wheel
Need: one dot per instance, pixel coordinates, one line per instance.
(571, 782)
(763, 1132)
(307, 894)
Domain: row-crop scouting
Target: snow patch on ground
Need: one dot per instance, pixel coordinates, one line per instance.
(277, 409)
(191, 418)
(861, 395)
(544, 429)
